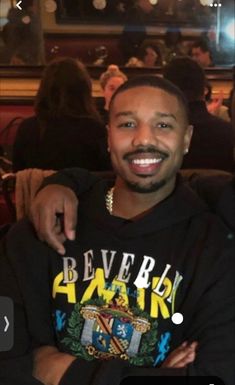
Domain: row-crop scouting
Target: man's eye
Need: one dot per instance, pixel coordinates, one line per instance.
(164, 125)
(127, 124)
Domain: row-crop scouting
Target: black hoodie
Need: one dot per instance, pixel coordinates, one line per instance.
(114, 293)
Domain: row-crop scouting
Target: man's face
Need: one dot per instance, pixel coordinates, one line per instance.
(203, 58)
(148, 135)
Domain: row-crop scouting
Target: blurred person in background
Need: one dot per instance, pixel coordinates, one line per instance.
(200, 52)
(110, 80)
(215, 104)
(134, 32)
(173, 45)
(150, 54)
(212, 141)
(66, 130)
(134, 62)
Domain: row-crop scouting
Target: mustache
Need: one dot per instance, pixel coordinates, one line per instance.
(146, 150)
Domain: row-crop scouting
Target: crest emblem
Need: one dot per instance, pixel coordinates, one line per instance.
(112, 331)
(106, 331)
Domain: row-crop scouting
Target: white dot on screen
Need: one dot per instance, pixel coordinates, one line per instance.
(177, 318)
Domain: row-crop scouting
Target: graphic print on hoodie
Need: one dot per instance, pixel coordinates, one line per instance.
(118, 286)
(115, 312)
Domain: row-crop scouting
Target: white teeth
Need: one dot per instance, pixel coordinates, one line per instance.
(146, 161)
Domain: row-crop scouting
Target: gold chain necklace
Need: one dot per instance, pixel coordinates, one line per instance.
(109, 200)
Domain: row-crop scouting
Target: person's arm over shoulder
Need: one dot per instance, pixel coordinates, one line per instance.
(58, 195)
(77, 179)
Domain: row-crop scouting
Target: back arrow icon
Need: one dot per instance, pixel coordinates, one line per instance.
(7, 324)
(18, 5)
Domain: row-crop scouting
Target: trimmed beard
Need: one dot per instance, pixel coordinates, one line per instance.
(152, 187)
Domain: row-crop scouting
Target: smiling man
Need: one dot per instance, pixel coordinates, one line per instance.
(148, 135)
(149, 269)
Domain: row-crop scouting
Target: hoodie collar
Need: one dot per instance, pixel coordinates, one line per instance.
(181, 205)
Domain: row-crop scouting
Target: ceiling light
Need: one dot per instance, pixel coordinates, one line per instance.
(206, 2)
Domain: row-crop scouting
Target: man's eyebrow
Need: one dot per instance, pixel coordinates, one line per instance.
(124, 113)
(157, 114)
(165, 115)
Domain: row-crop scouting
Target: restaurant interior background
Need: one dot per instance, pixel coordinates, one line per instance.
(92, 30)
(97, 32)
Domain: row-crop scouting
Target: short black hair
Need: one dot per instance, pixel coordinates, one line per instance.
(188, 75)
(155, 82)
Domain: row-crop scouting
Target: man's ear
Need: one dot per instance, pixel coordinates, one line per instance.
(187, 138)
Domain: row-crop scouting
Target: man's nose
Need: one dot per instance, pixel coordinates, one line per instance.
(144, 136)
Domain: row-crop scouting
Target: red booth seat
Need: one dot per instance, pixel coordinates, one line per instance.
(10, 118)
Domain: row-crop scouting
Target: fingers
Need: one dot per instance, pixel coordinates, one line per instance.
(186, 359)
(50, 229)
(50, 365)
(48, 203)
(56, 237)
(70, 217)
(182, 356)
(35, 219)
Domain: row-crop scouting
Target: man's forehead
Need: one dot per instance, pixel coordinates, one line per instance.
(142, 92)
(134, 101)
